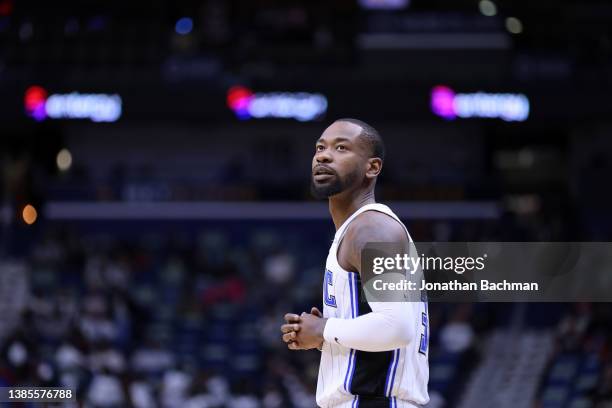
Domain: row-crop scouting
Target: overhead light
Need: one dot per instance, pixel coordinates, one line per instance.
(487, 8)
(184, 26)
(514, 25)
(29, 214)
(64, 160)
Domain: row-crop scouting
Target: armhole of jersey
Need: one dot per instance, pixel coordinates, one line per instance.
(341, 238)
(396, 218)
(338, 249)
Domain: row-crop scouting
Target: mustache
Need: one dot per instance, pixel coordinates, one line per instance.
(322, 167)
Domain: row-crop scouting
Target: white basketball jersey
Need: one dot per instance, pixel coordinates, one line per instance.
(355, 378)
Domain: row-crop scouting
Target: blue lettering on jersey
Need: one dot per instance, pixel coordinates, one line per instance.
(425, 336)
(329, 300)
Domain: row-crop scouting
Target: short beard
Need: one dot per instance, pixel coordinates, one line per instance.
(338, 186)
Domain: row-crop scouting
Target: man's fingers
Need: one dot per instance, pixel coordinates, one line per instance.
(316, 312)
(287, 337)
(293, 346)
(293, 327)
(292, 318)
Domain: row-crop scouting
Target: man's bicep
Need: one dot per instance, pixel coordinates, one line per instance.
(366, 234)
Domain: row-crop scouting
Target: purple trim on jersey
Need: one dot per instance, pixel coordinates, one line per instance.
(348, 378)
(397, 354)
(352, 371)
(355, 402)
(347, 381)
(391, 373)
(353, 285)
(353, 290)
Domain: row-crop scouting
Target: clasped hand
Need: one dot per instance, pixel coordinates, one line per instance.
(305, 331)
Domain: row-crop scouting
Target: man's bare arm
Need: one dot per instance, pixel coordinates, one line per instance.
(386, 327)
(371, 226)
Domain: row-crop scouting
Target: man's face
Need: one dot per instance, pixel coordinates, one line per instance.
(339, 162)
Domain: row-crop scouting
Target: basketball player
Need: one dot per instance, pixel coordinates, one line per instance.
(373, 354)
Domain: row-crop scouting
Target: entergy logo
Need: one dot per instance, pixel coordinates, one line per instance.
(448, 105)
(302, 106)
(95, 107)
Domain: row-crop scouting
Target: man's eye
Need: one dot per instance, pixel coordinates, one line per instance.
(341, 147)
(319, 148)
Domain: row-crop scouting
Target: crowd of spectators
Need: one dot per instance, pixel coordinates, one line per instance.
(172, 320)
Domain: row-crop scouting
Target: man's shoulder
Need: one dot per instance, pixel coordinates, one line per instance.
(375, 226)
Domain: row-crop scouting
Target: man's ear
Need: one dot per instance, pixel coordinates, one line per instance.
(374, 167)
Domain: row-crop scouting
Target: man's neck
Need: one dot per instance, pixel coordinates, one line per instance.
(343, 205)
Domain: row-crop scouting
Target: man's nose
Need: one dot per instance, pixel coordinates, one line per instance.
(323, 156)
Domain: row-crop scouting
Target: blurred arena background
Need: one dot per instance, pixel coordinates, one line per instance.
(155, 215)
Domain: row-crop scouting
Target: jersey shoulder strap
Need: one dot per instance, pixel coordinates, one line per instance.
(368, 207)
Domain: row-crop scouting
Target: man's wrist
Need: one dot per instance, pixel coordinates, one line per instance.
(322, 337)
